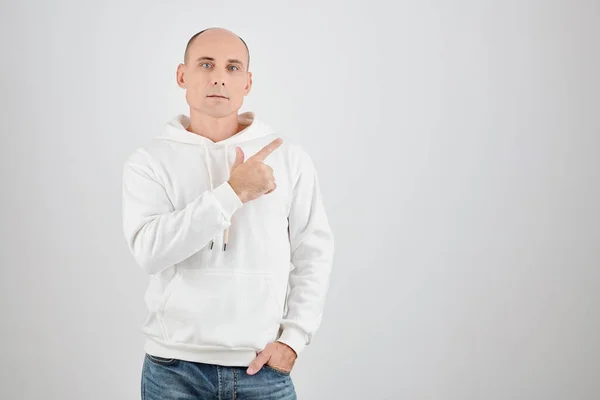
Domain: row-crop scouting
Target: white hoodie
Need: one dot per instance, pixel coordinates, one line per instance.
(214, 305)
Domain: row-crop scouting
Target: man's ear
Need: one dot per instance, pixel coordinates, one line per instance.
(180, 76)
(248, 84)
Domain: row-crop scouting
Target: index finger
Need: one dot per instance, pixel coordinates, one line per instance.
(268, 149)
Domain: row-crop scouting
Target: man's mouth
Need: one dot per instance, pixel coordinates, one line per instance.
(217, 96)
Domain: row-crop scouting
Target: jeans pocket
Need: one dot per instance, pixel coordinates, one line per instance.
(161, 360)
(277, 371)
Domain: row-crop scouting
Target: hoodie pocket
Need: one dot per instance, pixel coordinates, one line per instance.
(224, 309)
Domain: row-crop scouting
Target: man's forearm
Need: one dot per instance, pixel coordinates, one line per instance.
(159, 238)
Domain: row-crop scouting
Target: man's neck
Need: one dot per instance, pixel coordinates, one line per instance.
(215, 129)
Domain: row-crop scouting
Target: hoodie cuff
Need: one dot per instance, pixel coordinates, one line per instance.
(294, 338)
(227, 199)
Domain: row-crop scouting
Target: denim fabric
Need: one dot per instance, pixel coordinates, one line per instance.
(173, 379)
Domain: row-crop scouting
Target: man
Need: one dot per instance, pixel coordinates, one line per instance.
(228, 221)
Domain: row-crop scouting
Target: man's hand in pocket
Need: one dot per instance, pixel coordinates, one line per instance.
(276, 355)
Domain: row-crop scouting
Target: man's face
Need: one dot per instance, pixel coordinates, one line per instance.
(215, 74)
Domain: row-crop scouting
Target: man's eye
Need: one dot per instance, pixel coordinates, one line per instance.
(203, 64)
(233, 66)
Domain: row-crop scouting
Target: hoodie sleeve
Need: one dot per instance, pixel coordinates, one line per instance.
(160, 236)
(312, 247)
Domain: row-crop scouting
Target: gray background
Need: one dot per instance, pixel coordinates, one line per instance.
(457, 145)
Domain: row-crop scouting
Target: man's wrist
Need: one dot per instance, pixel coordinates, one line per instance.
(289, 348)
(294, 337)
(240, 194)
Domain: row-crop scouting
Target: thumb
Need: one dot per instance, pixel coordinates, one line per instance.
(260, 360)
(239, 158)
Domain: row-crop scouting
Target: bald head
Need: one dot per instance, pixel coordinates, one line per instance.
(215, 34)
(215, 73)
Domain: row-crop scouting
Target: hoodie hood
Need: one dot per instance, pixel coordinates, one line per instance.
(176, 131)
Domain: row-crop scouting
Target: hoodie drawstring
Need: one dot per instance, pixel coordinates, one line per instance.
(226, 233)
(210, 180)
(212, 242)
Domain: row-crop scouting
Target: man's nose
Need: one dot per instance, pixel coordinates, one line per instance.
(217, 78)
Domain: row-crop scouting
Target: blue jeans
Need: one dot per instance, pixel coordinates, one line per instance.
(173, 379)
